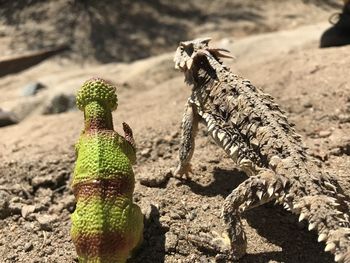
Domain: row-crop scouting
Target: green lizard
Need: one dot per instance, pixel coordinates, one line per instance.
(106, 225)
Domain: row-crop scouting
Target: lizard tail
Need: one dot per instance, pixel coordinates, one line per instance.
(128, 134)
(331, 221)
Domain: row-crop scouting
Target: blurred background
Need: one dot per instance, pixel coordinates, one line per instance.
(105, 31)
(90, 32)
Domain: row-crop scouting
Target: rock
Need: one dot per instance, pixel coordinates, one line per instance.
(343, 118)
(60, 103)
(43, 196)
(191, 215)
(40, 181)
(28, 246)
(170, 242)
(67, 202)
(32, 88)
(171, 138)
(205, 206)
(4, 204)
(165, 222)
(161, 151)
(46, 221)
(324, 134)
(342, 147)
(174, 215)
(14, 206)
(27, 210)
(28, 226)
(12, 257)
(146, 152)
(307, 104)
(174, 134)
(51, 180)
(154, 178)
(7, 118)
(335, 151)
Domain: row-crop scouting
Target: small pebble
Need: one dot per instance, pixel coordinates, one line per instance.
(60, 103)
(205, 206)
(165, 219)
(324, 134)
(42, 181)
(154, 178)
(170, 242)
(27, 210)
(32, 88)
(27, 247)
(7, 118)
(146, 152)
(191, 215)
(46, 221)
(307, 104)
(15, 208)
(174, 215)
(343, 118)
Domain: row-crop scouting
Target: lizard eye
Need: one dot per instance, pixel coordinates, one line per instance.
(189, 49)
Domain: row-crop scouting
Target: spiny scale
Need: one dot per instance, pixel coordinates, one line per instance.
(255, 133)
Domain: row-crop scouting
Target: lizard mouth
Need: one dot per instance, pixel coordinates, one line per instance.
(184, 65)
(184, 58)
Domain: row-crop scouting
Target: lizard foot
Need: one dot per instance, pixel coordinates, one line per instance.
(183, 171)
(217, 243)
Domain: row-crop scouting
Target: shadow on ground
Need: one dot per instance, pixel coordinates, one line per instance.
(281, 228)
(152, 249)
(271, 222)
(223, 184)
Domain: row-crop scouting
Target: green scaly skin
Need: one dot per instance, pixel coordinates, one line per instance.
(106, 225)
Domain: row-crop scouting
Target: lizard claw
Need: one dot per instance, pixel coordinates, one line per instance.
(183, 171)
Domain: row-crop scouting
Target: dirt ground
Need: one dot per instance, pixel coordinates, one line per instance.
(276, 45)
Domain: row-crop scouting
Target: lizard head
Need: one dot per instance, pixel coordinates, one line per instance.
(97, 90)
(188, 51)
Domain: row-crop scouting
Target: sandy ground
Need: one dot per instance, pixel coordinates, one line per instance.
(37, 155)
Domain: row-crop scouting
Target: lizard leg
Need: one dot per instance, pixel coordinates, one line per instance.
(255, 191)
(189, 129)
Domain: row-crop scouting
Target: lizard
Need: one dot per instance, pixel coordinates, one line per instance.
(106, 224)
(254, 132)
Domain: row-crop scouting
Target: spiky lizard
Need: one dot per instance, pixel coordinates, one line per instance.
(106, 225)
(252, 129)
